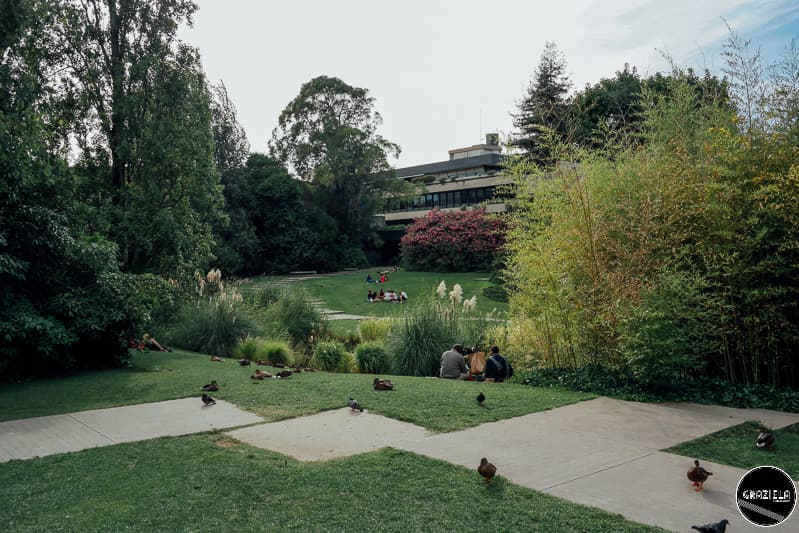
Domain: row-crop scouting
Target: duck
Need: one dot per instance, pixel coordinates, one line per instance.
(481, 398)
(211, 387)
(383, 384)
(486, 469)
(216, 359)
(765, 439)
(260, 374)
(244, 362)
(262, 362)
(284, 374)
(697, 476)
(207, 400)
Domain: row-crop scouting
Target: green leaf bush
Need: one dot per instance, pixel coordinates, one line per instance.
(372, 358)
(329, 356)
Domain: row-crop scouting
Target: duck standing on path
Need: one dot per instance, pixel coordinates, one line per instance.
(207, 400)
(486, 469)
(697, 476)
(765, 439)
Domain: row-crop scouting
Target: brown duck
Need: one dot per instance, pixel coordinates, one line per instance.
(216, 359)
(765, 438)
(260, 374)
(284, 374)
(383, 384)
(697, 476)
(486, 469)
(211, 387)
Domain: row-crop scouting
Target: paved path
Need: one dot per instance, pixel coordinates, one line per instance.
(603, 453)
(48, 435)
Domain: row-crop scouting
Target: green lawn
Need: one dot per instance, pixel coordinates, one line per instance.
(210, 483)
(735, 446)
(347, 292)
(440, 405)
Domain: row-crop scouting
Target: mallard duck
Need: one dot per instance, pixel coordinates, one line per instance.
(354, 405)
(262, 362)
(765, 439)
(697, 476)
(278, 365)
(486, 469)
(244, 362)
(284, 374)
(716, 527)
(216, 358)
(207, 400)
(383, 384)
(211, 387)
(260, 374)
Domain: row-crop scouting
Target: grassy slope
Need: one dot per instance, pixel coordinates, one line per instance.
(208, 483)
(735, 446)
(347, 292)
(440, 405)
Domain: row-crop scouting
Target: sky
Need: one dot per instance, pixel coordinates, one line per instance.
(446, 72)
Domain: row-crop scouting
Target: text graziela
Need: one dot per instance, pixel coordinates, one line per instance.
(771, 495)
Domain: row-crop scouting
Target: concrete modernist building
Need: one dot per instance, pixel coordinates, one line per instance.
(469, 178)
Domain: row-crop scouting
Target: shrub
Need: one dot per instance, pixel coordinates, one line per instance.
(263, 297)
(374, 329)
(348, 364)
(453, 241)
(213, 326)
(247, 348)
(372, 358)
(276, 351)
(328, 355)
(295, 314)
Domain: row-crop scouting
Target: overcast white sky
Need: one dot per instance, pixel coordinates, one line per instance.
(445, 72)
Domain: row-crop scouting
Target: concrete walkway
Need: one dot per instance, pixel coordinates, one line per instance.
(603, 453)
(49, 435)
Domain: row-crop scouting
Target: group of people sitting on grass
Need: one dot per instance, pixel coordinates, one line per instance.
(472, 364)
(386, 296)
(382, 276)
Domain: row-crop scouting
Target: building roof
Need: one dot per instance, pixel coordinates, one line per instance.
(486, 160)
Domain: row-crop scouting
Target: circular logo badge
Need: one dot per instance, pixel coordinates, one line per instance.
(766, 496)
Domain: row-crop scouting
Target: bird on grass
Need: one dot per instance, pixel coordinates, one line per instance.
(716, 527)
(486, 469)
(216, 359)
(697, 476)
(765, 439)
(244, 362)
(284, 374)
(480, 399)
(382, 384)
(207, 400)
(354, 405)
(211, 387)
(260, 374)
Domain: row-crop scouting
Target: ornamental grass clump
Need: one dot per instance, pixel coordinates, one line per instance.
(328, 355)
(372, 358)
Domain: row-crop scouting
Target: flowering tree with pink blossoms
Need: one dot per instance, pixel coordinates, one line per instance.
(453, 241)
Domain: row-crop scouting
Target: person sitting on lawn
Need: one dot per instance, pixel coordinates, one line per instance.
(452, 364)
(498, 368)
(370, 296)
(382, 296)
(383, 278)
(403, 296)
(391, 296)
(369, 279)
(151, 344)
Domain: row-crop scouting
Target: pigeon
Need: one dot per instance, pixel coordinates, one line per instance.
(486, 469)
(207, 400)
(481, 398)
(717, 527)
(211, 387)
(697, 476)
(244, 362)
(354, 405)
(765, 439)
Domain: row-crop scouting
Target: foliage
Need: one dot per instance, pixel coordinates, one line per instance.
(213, 325)
(372, 358)
(621, 383)
(348, 364)
(328, 136)
(675, 258)
(258, 348)
(231, 147)
(453, 241)
(328, 355)
(296, 314)
(427, 328)
(374, 329)
(543, 112)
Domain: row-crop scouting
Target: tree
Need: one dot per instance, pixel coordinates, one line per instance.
(231, 147)
(543, 111)
(144, 132)
(328, 136)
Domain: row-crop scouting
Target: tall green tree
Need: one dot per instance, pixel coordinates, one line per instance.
(543, 112)
(328, 136)
(145, 131)
(231, 147)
